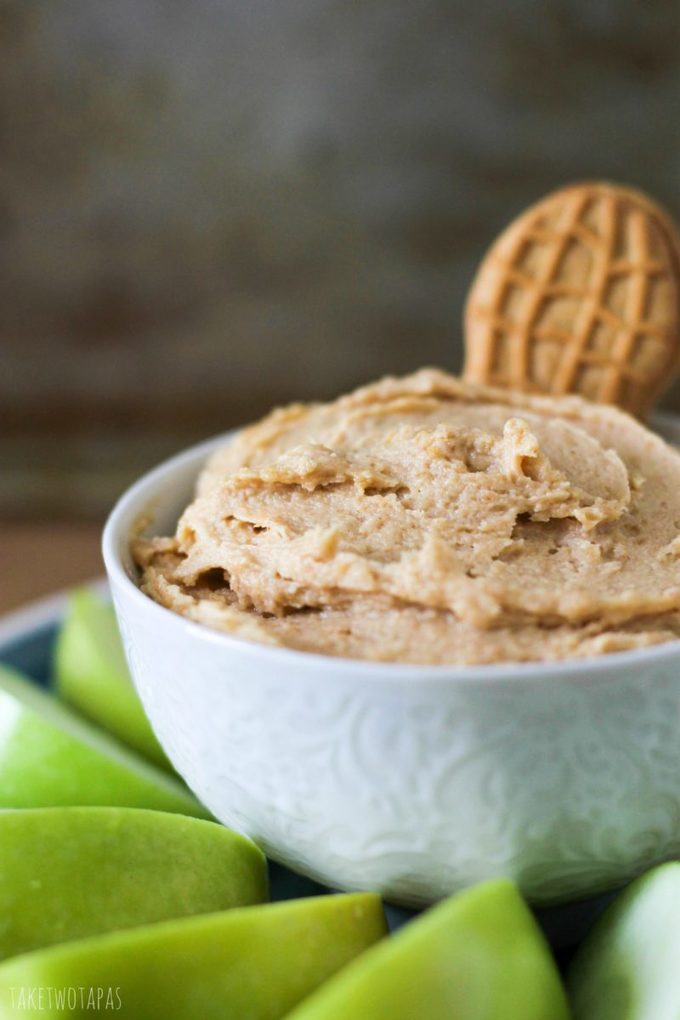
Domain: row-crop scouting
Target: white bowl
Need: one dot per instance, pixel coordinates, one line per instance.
(409, 780)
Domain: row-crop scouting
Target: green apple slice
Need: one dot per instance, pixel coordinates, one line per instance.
(250, 964)
(628, 966)
(66, 873)
(91, 674)
(50, 757)
(477, 956)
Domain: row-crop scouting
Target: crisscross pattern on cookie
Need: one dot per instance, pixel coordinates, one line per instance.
(580, 295)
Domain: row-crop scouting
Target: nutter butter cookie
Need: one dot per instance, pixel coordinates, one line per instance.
(580, 294)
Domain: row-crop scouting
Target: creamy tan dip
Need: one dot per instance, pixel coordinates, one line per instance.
(427, 520)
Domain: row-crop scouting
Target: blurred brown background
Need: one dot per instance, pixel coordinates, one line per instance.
(209, 206)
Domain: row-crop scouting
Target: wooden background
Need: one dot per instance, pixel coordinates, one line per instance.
(207, 208)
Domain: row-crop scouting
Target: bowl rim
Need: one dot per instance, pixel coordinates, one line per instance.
(138, 497)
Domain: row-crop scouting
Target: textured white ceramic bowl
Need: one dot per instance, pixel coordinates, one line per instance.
(410, 780)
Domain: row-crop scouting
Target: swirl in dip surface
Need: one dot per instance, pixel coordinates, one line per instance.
(427, 520)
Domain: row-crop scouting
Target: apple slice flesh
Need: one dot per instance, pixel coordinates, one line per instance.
(50, 757)
(255, 963)
(477, 956)
(92, 675)
(628, 966)
(67, 873)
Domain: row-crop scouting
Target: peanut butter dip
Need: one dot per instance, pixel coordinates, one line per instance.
(428, 520)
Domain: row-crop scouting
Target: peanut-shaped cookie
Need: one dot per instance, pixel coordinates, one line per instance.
(580, 294)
